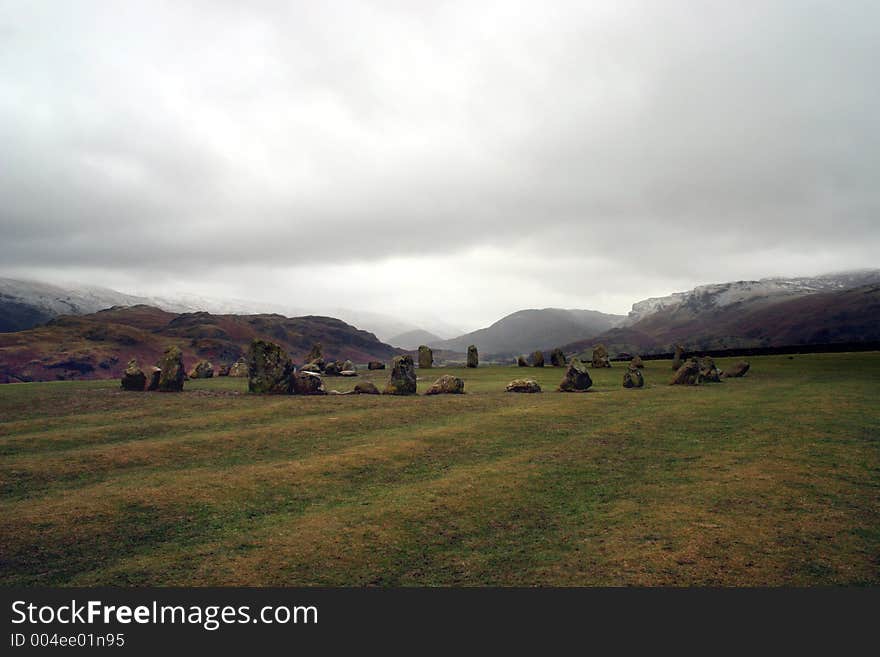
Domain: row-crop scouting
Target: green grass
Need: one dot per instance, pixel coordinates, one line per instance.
(772, 479)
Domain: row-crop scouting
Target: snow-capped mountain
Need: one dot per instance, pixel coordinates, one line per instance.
(719, 295)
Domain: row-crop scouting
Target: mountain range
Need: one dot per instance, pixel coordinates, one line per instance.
(56, 332)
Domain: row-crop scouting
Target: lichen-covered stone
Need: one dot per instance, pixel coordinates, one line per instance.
(306, 383)
(239, 367)
(473, 357)
(447, 385)
(172, 375)
(600, 356)
(576, 379)
(269, 368)
(133, 378)
(365, 388)
(330, 369)
(708, 372)
(426, 357)
(348, 366)
(538, 359)
(403, 376)
(202, 370)
(375, 365)
(632, 378)
(688, 374)
(557, 358)
(523, 385)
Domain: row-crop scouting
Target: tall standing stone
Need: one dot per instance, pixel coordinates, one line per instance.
(403, 376)
(473, 358)
(315, 359)
(538, 359)
(521, 361)
(678, 359)
(426, 357)
(269, 368)
(133, 378)
(172, 373)
(600, 356)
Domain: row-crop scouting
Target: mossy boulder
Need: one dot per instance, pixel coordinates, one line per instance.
(202, 370)
(637, 362)
(538, 359)
(600, 356)
(306, 383)
(348, 366)
(330, 369)
(632, 378)
(473, 357)
(403, 376)
(688, 374)
(133, 378)
(523, 385)
(576, 379)
(365, 388)
(375, 365)
(269, 368)
(426, 357)
(447, 385)
(172, 372)
(521, 361)
(557, 358)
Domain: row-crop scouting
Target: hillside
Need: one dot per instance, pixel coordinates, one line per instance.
(850, 315)
(98, 345)
(527, 330)
(413, 339)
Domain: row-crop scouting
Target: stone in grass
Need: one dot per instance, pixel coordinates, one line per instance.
(523, 385)
(447, 385)
(269, 368)
(172, 373)
(365, 388)
(633, 378)
(133, 378)
(576, 379)
(306, 383)
(202, 370)
(426, 357)
(473, 357)
(403, 376)
(688, 374)
(538, 359)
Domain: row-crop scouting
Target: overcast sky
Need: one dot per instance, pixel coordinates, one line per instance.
(456, 159)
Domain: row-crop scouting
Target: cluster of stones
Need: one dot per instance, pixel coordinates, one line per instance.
(694, 372)
(167, 376)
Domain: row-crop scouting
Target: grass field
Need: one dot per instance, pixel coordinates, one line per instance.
(771, 479)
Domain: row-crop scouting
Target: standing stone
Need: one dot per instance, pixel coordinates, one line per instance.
(538, 359)
(330, 369)
(133, 378)
(269, 368)
(426, 357)
(202, 370)
(447, 385)
(678, 359)
(576, 379)
(348, 366)
(306, 383)
(637, 362)
(523, 385)
(224, 370)
(708, 371)
(375, 365)
(239, 367)
(521, 361)
(473, 358)
(172, 375)
(557, 358)
(688, 374)
(403, 376)
(600, 356)
(633, 378)
(155, 373)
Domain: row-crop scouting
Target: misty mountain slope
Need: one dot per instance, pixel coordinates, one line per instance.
(414, 339)
(527, 330)
(849, 315)
(99, 345)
